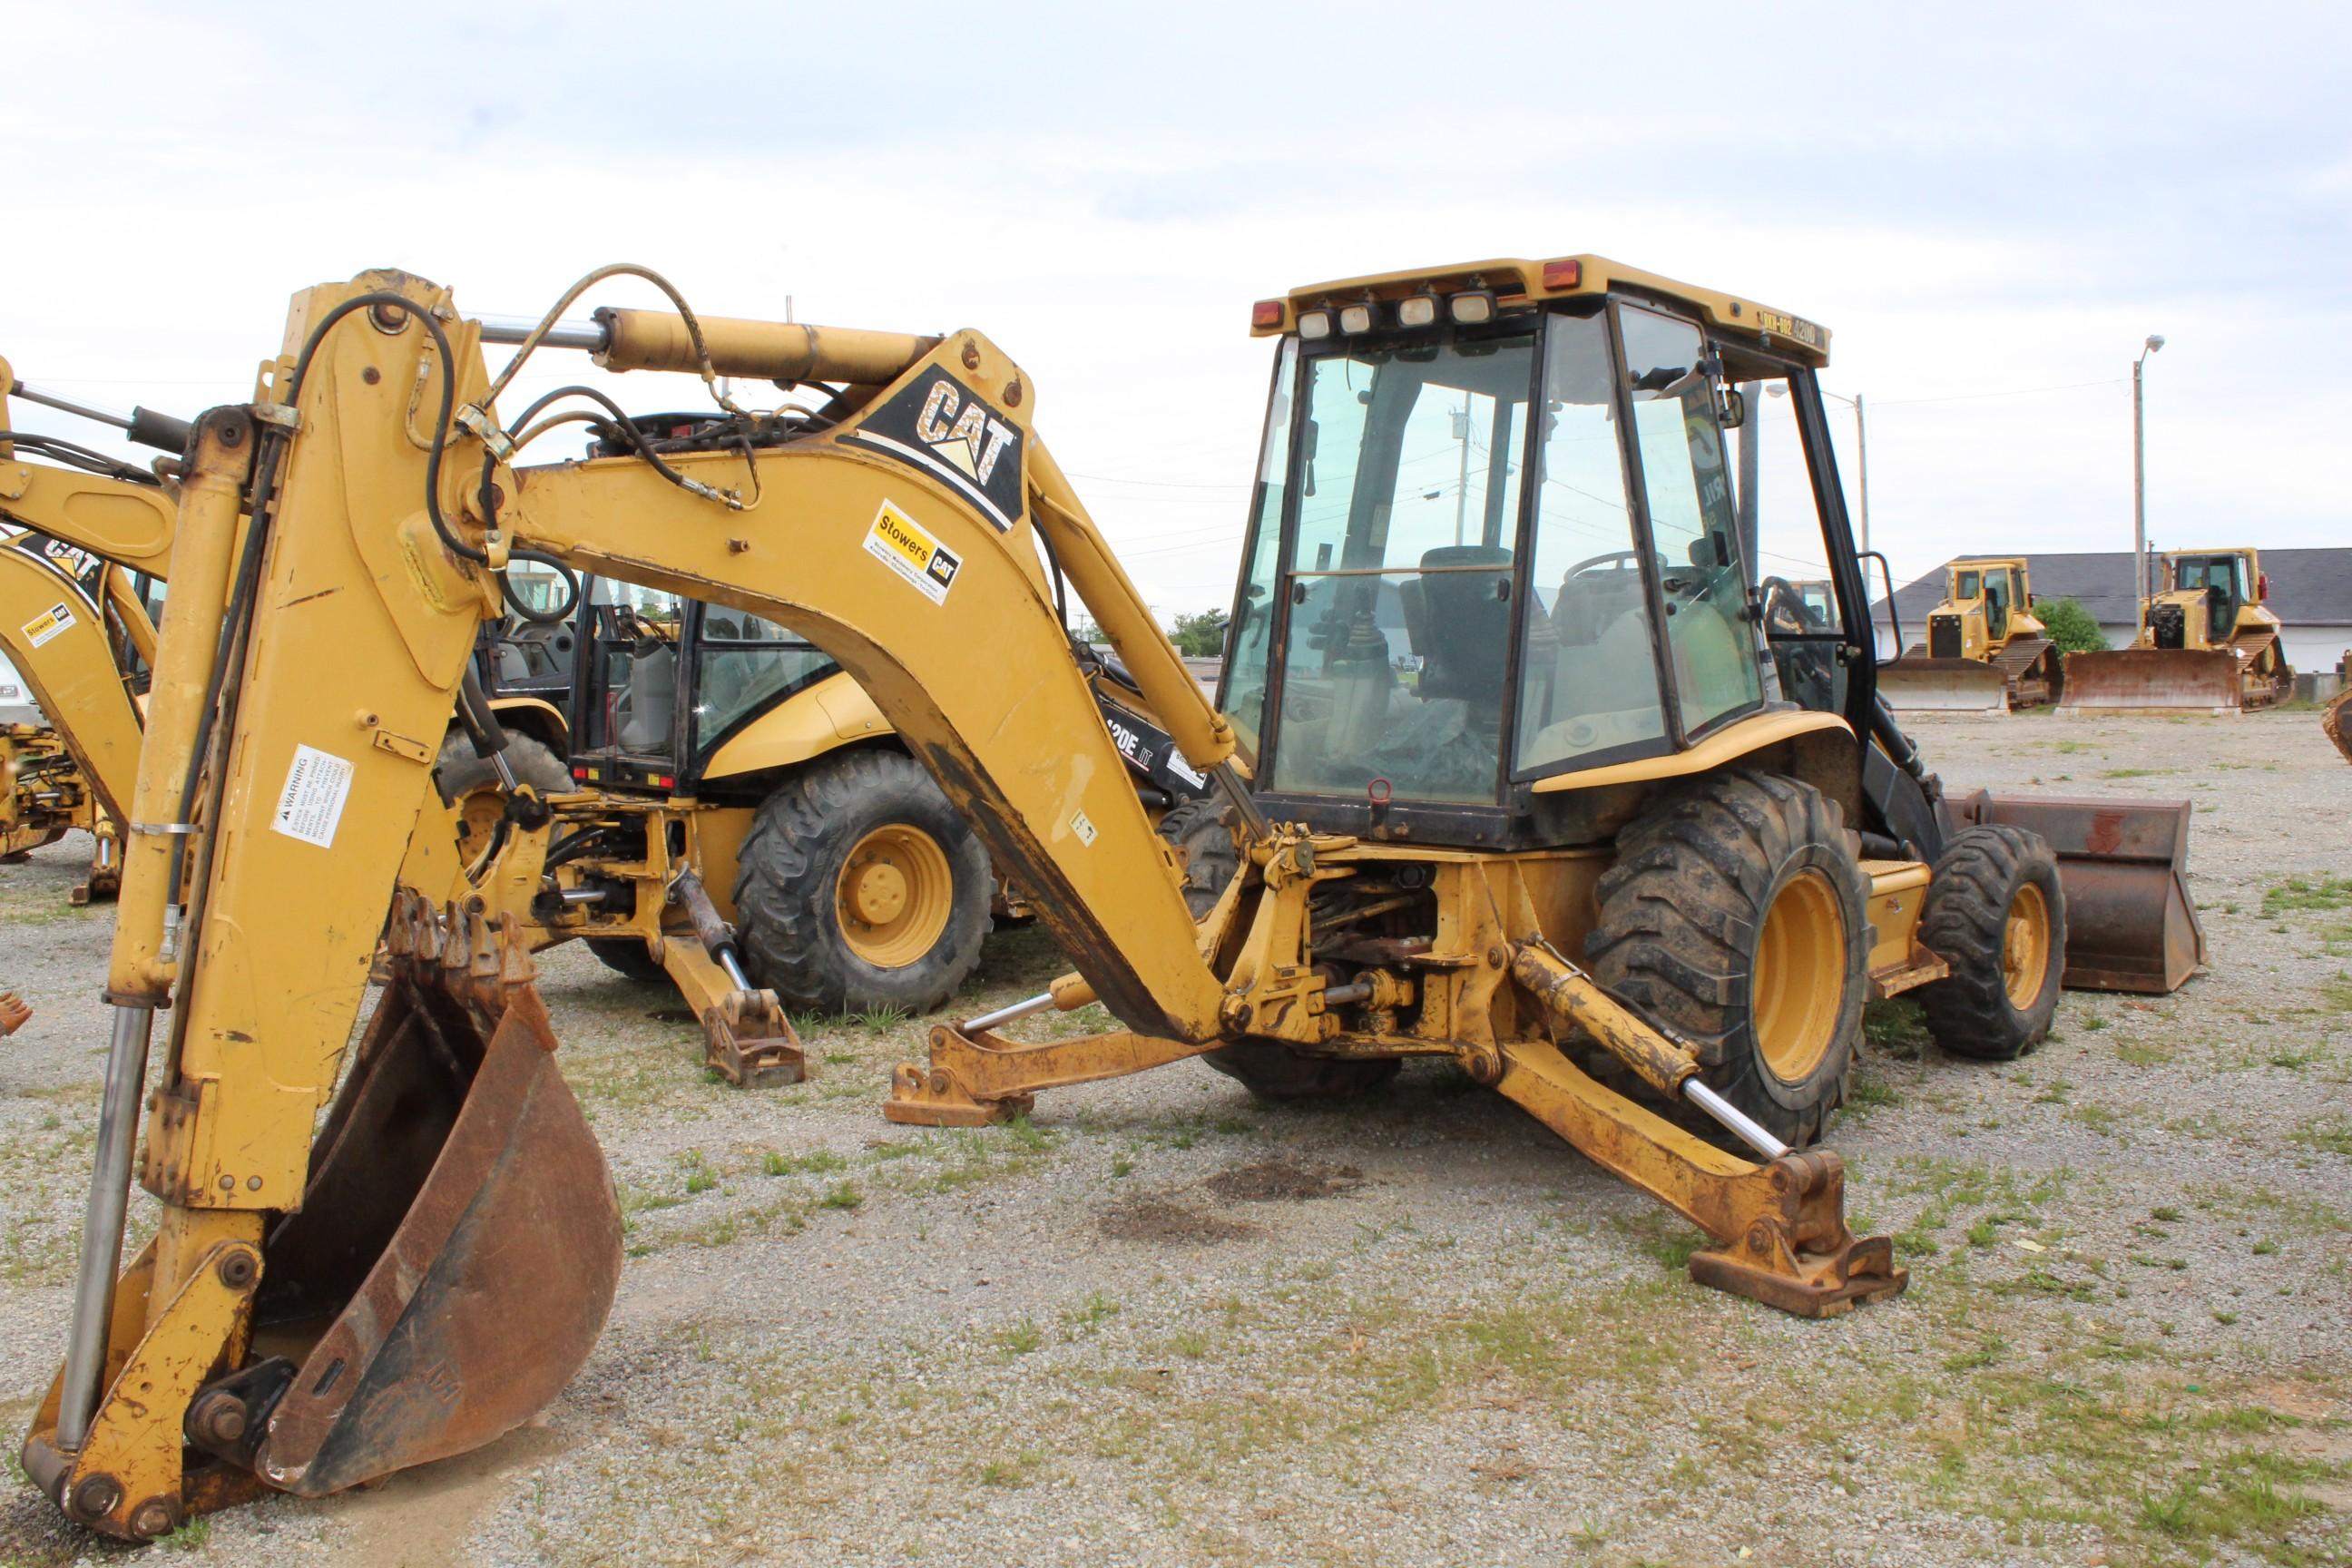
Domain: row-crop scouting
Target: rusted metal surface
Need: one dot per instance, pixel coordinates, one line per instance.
(2130, 923)
(2151, 680)
(2337, 722)
(459, 1234)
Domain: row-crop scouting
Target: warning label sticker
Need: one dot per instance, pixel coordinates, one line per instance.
(1085, 828)
(310, 806)
(900, 543)
(49, 623)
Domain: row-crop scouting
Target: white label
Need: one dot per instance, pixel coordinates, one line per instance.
(49, 623)
(1083, 828)
(900, 543)
(311, 804)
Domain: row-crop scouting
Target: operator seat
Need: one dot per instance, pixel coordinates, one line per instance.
(1460, 621)
(650, 702)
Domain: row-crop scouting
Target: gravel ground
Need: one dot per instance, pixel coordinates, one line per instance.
(1164, 1324)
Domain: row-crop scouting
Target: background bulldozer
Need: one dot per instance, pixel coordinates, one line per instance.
(1510, 778)
(1984, 651)
(2208, 644)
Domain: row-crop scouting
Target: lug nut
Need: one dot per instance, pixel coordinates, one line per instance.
(216, 1420)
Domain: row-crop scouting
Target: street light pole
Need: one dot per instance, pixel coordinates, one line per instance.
(1862, 459)
(2139, 488)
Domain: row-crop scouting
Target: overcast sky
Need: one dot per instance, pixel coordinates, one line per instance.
(1991, 206)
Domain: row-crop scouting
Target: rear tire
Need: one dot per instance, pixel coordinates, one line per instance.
(1996, 913)
(1198, 830)
(861, 831)
(627, 955)
(472, 783)
(1735, 914)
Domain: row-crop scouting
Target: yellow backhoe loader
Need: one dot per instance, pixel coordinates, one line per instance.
(1505, 781)
(2206, 644)
(1985, 652)
(2336, 719)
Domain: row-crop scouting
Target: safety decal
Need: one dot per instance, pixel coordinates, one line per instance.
(902, 545)
(57, 619)
(310, 806)
(1083, 828)
(946, 430)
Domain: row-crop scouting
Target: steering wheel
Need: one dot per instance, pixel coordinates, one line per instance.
(1780, 592)
(1615, 556)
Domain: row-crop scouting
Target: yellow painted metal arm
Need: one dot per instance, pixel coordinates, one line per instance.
(129, 524)
(54, 633)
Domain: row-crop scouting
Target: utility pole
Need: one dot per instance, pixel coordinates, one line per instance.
(1862, 462)
(1462, 484)
(2140, 489)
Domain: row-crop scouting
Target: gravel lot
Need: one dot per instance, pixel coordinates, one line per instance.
(1164, 1324)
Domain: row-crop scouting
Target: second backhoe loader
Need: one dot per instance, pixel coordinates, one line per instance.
(1516, 796)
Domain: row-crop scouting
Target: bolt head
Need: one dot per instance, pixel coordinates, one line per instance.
(95, 1497)
(156, 1516)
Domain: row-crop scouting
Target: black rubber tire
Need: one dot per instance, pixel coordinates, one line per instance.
(1198, 828)
(788, 927)
(1682, 918)
(1971, 892)
(458, 772)
(627, 955)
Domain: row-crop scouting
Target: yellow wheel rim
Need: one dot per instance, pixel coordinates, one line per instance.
(2025, 947)
(478, 818)
(894, 895)
(1800, 984)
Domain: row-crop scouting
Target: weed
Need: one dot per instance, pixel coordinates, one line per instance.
(776, 1163)
(842, 1196)
(2322, 892)
(1020, 1339)
(1090, 1314)
(2333, 1135)
(2165, 1213)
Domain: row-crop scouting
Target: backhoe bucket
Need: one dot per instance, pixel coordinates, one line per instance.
(458, 1242)
(2151, 680)
(2130, 925)
(1943, 686)
(2336, 720)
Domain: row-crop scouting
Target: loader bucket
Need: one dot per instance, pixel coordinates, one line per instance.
(1943, 686)
(2151, 680)
(2337, 721)
(2130, 925)
(458, 1242)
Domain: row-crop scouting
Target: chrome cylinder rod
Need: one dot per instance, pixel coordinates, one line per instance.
(64, 404)
(101, 1224)
(1013, 1013)
(565, 335)
(1741, 1124)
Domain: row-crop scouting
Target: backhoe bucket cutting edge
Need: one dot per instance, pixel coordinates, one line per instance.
(2151, 680)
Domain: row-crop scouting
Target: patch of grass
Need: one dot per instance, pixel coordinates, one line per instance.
(2325, 891)
(699, 1177)
(841, 1195)
(2134, 773)
(775, 1163)
(1090, 1314)
(878, 1020)
(2144, 1054)
(1018, 1340)
(2330, 1135)
(190, 1536)
(1897, 1026)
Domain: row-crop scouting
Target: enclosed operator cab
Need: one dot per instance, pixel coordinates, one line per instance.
(1495, 552)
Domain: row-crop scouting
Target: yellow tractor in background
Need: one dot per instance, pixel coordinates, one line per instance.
(1985, 652)
(1505, 777)
(2206, 644)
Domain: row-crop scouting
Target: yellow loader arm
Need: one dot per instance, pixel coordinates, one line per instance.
(55, 634)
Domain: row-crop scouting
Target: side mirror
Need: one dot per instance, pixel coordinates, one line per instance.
(1733, 409)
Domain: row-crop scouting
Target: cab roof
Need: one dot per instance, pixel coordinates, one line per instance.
(1524, 282)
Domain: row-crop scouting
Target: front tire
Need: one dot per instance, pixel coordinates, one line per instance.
(859, 888)
(1735, 914)
(1996, 913)
(472, 783)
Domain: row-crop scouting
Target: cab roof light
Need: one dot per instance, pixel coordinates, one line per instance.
(1472, 307)
(1314, 324)
(1266, 313)
(1565, 273)
(1419, 310)
(1354, 319)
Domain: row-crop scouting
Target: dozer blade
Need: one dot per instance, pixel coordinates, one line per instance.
(2130, 925)
(2337, 722)
(459, 1240)
(2151, 680)
(1943, 686)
